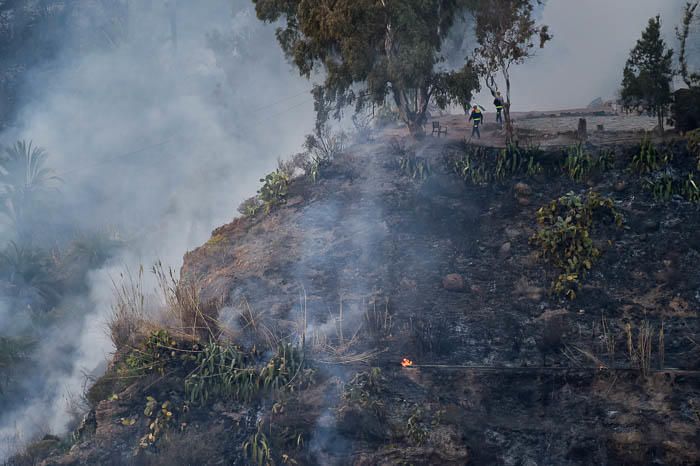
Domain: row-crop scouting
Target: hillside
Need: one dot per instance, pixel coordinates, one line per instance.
(426, 251)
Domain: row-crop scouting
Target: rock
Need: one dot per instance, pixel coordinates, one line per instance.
(512, 233)
(505, 249)
(550, 314)
(453, 282)
(523, 201)
(620, 186)
(672, 223)
(650, 226)
(522, 189)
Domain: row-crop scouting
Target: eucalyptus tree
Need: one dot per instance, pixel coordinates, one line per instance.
(370, 50)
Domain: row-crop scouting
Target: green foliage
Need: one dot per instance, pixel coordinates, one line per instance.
(694, 145)
(283, 369)
(512, 161)
(505, 32)
(250, 207)
(257, 448)
(30, 271)
(472, 165)
(648, 73)
(274, 190)
(690, 78)
(25, 183)
(94, 247)
(457, 87)
(649, 159)
(365, 389)
(662, 187)
(691, 189)
(665, 186)
(160, 419)
(14, 353)
(157, 353)
(579, 164)
(606, 160)
(219, 371)
(384, 48)
(564, 237)
(415, 428)
(479, 165)
(414, 166)
(324, 145)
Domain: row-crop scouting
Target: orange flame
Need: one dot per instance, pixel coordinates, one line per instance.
(406, 362)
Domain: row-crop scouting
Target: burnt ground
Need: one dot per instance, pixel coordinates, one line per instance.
(367, 233)
(504, 371)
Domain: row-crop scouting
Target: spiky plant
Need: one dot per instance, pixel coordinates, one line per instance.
(24, 180)
(29, 272)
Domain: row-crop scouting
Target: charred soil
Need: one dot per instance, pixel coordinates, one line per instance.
(430, 252)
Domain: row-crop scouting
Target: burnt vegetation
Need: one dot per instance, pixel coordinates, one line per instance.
(387, 300)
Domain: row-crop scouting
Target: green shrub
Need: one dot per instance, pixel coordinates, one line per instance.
(564, 237)
(649, 159)
(216, 370)
(472, 165)
(694, 145)
(664, 186)
(160, 419)
(691, 189)
(365, 389)
(250, 207)
(414, 166)
(274, 190)
(580, 164)
(479, 165)
(257, 448)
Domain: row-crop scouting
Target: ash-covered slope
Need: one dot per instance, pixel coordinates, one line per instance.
(369, 234)
(376, 262)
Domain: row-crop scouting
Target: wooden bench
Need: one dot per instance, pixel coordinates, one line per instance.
(438, 129)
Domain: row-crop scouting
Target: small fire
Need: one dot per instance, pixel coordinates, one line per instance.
(406, 362)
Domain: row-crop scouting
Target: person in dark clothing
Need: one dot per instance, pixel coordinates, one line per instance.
(477, 117)
(498, 102)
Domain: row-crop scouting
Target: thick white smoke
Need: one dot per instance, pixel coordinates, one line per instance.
(161, 134)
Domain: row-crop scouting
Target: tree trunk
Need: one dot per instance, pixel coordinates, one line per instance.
(660, 117)
(506, 110)
(413, 118)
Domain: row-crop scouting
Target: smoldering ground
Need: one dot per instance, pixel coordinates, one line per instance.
(163, 127)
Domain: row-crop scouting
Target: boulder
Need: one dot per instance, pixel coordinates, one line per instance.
(522, 189)
(453, 282)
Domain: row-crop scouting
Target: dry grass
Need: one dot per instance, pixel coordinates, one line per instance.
(639, 350)
(128, 309)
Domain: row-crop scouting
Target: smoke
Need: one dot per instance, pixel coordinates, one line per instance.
(592, 41)
(160, 131)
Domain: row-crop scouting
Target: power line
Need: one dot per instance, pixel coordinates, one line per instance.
(114, 157)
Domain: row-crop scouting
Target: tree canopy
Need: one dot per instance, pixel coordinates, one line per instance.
(371, 49)
(506, 34)
(648, 74)
(691, 78)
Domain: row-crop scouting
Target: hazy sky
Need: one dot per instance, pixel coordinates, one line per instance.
(592, 39)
